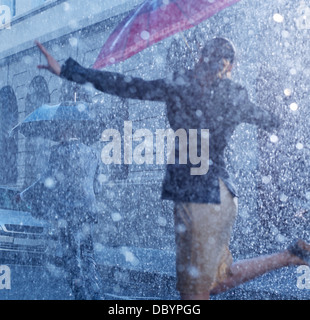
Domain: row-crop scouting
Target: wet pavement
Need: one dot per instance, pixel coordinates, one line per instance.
(142, 274)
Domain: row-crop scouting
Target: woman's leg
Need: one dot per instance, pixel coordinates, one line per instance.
(202, 238)
(245, 270)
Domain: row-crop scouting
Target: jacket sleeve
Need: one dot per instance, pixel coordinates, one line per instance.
(115, 83)
(254, 114)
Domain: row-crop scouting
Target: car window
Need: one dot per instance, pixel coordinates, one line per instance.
(7, 201)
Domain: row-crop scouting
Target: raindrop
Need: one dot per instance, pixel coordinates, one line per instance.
(73, 42)
(244, 214)
(28, 60)
(129, 256)
(280, 238)
(81, 107)
(98, 246)
(62, 223)
(116, 288)
(283, 197)
(86, 229)
(145, 35)
(128, 79)
(198, 113)
(205, 135)
(288, 92)
(102, 178)
(73, 24)
(307, 71)
(116, 216)
(49, 183)
(285, 34)
(274, 138)
(180, 228)
(293, 71)
(299, 146)
(66, 6)
(274, 230)
(193, 271)
(294, 106)
(266, 179)
(162, 221)
(278, 18)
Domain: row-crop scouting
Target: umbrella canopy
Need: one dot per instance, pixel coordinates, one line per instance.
(52, 121)
(152, 21)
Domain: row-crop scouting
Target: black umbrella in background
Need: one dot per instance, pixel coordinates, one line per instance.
(52, 121)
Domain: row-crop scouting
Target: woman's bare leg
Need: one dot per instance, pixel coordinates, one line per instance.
(245, 270)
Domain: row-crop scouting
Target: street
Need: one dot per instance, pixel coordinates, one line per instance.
(151, 279)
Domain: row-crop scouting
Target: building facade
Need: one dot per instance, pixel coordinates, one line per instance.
(129, 195)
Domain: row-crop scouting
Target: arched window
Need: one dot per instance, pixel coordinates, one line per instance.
(38, 94)
(8, 144)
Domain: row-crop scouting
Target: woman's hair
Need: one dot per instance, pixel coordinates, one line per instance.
(218, 49)
(214, 54)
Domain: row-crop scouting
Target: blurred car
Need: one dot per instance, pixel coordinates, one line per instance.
(23, 238)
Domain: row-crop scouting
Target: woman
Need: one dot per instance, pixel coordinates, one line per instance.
(205, 206)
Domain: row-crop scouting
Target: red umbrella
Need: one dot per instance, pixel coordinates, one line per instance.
(152, 21)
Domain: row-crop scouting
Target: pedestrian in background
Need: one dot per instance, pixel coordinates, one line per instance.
(65, 195)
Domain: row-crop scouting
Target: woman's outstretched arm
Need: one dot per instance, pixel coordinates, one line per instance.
(107, 82)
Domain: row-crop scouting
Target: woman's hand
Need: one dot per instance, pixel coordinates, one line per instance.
(52, 65)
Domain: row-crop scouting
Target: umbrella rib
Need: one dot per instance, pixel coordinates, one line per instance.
(120, 33)
(188, 18)
(148, 29)
(130, 26)
(125, 44)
